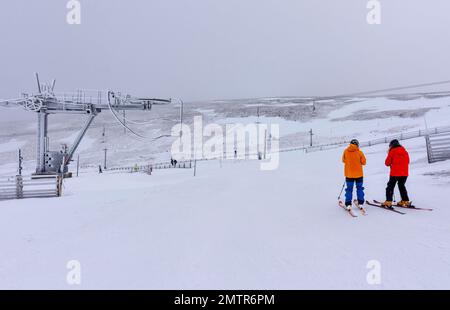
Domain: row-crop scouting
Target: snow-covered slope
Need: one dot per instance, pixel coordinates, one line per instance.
(230, 227)
(234, 226)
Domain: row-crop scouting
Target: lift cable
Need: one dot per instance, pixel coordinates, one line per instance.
(122, 123)
(127, 120)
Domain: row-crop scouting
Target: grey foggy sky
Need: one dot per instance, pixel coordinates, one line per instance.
(220, 49)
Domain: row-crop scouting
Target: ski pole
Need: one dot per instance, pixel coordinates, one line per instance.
(340, 194)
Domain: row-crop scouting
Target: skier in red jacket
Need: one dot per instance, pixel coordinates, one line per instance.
(398, 161)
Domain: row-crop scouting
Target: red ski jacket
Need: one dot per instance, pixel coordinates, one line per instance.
(398, 160)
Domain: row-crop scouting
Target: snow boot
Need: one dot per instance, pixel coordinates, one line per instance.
(360, 205)
(348, 206)
(387, 204)
(405, 204)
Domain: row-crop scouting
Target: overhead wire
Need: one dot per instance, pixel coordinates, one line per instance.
(124, 125)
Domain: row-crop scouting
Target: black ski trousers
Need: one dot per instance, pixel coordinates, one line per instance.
(401, 186)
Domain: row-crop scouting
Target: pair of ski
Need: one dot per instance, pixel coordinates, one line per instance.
(378, 204)
(350, 211)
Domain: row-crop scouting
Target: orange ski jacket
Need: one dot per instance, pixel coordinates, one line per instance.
(354, 160)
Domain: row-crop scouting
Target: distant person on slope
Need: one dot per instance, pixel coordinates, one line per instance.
(354, 160)
(398, 161)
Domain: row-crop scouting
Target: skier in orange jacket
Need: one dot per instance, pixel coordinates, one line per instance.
(354, 160)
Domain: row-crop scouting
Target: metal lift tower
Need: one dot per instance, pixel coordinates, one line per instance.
(46, 102)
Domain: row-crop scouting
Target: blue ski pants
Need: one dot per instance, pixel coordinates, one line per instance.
(359, 190)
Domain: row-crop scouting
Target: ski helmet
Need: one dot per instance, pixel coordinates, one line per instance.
(355, 142)
(394, 143)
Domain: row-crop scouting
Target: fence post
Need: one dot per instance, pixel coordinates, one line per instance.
(63, 167)
(19, 187)
(78, 165)
(20, 162)
(59, 180)
(427, 141)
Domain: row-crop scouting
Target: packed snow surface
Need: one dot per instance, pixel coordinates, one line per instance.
(230, 227)
(234, 226)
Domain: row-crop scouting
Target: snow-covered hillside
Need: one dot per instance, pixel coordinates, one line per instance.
(330, 120)
(234, 226)
(230, 228)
